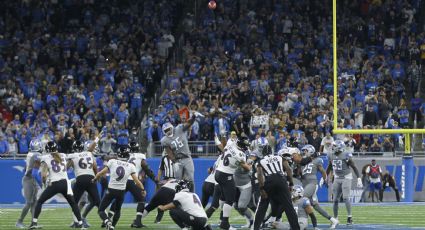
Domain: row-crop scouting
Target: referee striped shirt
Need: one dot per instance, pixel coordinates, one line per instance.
(167, 167)
(272, 165)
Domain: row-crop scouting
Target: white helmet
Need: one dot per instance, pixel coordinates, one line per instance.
(284, 151)
(293, 151)
(35, 146)
(338, 146)
(168, 129)
(308, 150)
(297, 191)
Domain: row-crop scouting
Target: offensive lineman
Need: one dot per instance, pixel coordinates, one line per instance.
(30, 180)
(340, 162)
(233, 157)
(54, 165)
(177, 148)
(120, 170)
(85, 168)
(309, 181)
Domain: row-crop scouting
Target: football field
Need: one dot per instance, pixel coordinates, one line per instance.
(366, 216)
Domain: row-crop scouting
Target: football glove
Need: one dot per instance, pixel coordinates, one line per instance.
(359, 183)
(322, 182)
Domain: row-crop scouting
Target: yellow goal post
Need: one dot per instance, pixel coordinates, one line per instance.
(407, 132)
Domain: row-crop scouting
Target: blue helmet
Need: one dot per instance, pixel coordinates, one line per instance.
(35, 146)
(308, 150)
(297, 191)
(338, 146)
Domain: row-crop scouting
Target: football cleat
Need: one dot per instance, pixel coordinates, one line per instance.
(334, 223)
(33, 226)
(350, 220)
(137, 224)
(20, 225)
(85, 223)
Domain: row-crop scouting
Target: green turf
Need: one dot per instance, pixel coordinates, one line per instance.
(60, 218)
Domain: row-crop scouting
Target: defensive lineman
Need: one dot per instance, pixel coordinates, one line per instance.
(232, 158)
(30, 180)
(309, 181)
(340, 162)
(120, 170)
(177, 148)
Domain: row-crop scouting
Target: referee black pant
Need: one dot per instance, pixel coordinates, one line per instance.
(277, 191)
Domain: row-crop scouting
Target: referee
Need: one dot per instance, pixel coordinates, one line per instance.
(273, 173)
(166, 171)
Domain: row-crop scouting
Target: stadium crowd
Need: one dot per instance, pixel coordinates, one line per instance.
(71, 69)
(275, 58)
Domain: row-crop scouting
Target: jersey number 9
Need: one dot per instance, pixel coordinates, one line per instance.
(120, 172)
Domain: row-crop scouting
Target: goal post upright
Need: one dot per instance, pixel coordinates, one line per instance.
(407, 179)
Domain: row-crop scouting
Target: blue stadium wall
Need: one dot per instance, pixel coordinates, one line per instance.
(11, 172)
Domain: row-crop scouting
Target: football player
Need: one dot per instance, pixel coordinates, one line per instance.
(85, 168)
(177, 148)
(302, 207)
(163, 196)
(30, 180)
(186, 209)
(139, 161)
(120, 170)
(309, 181)
(232, 158)
(243, 184)
(340, 162)
(54, 165)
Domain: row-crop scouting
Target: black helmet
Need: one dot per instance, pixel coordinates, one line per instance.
(77, 146)
(243, 143)
(134, 147)
(123, 152)
(267, 150)
(181, 185)
(51, 147)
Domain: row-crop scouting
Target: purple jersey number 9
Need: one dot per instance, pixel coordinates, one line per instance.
(120, 172)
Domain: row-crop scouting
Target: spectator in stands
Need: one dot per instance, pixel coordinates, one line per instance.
(154, 132)
(315, 140)
(388, 145)
(375, 146)
(24, 139)
(326, 144)
(107, 143)
(370, 117)
(4, 145)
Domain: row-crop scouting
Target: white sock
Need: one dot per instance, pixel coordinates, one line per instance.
(34, 220)
(272, 219)
(145, 213)
(221, 203)
(226, 210)
(75, 218)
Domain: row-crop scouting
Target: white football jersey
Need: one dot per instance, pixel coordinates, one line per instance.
(57, 171)
(211, 177)
(231, 143)
(136, 160)
(119, 172)
(171, 184)
(190, 203)
(230, 160)
(83, 163)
